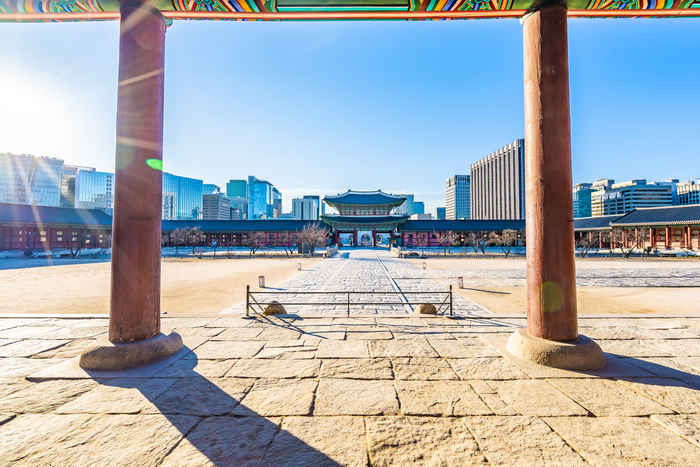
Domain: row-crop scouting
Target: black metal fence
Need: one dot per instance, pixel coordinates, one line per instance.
(442, 307)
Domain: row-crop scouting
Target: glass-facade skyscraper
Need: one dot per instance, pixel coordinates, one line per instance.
(182, 197)
(94, 190)
(237, 189)
(264, 200)
(30, 180)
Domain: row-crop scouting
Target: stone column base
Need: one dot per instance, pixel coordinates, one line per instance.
(582, 354)
(107, 356)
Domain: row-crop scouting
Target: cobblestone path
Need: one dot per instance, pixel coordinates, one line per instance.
(367, 271)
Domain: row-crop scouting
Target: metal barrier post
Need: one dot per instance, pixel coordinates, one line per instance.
(451, 300)
(247, 303)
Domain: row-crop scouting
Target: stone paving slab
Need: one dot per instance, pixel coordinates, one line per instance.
(624, 441)
(455, 397)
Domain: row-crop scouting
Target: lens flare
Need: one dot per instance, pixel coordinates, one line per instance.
(156, 164)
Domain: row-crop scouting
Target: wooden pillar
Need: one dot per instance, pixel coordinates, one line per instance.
(135, 294)
(652, 237)
(551, 273)
(669, 242)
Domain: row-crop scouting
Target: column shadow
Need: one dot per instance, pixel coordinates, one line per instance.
(214, 422)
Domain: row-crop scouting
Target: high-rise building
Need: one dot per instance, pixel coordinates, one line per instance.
(210, 189)
(418, 207)
(304, 209)
(582, 199)
(237, 189)
(264, 200)
(94, 190)
(673, 183)
(182, 197)
(689, 192)
(30, 180)
(68, 184)
(236, 214)
(621, 198)
(498, 184)
(241, 204)
(320, 205)
(440, 214)
(216, 207)
(457, 197)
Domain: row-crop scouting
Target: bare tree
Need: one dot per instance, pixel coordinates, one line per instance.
(473, 239)
(313, 235)
(164, 239)
(287, 240)
(642, 238)
(624, 240)
(447, 240)
(179, 238)
(77, 240)
(505, 240)
(586, 242)
(228, 245)
(254, 241)
(214, 246)
(195, 236)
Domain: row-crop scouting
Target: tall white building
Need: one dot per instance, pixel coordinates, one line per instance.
(457, 197)
(498, 184)
(216, 207)
(304, 209)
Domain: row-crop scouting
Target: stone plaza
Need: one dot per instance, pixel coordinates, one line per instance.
(372, 390)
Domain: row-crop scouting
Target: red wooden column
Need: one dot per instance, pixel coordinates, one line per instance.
(551, 273)
(135, 295)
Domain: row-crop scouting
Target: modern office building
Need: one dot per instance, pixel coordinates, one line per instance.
(94, 190)
(440, 214)
(582, 199)
(210, 189)
(418, 207)
(241, 204)
(27, 179)
(406, 209)
(216, 207)
(498, 184)
(689, 192)
(673, 183)
(237, 189)
(320, 205)
(304, 209)
(264, 200)
(235, 214)
(182, 197)
(68, 184)
(457, 197)
(621, 198)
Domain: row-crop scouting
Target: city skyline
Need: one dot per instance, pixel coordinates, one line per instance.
(360, 126)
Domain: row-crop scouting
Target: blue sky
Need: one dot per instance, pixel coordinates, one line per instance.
(319, 108)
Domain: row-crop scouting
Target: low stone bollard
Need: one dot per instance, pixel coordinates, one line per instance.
(274, 308)
(426, 309)
(423, 264)
(261, 282)
(460, 282)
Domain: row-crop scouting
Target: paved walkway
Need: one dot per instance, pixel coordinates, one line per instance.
(378, 270)
(353, 392)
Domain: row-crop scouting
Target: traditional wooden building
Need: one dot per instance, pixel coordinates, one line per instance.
(416, 233)
(672, 227)
(25, 227)
(364, 217)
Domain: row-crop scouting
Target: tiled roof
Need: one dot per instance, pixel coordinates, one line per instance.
(595, 222)
(461, 225)
(363, 219)
(364, 197)
(669, 215)
(262, 225)
(25, 214)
